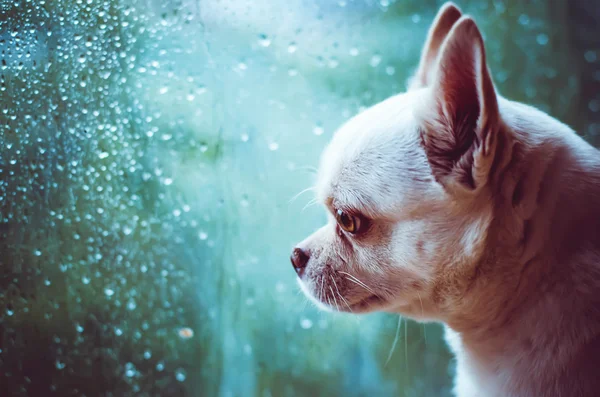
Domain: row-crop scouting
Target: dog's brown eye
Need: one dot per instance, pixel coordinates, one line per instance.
(347, 222)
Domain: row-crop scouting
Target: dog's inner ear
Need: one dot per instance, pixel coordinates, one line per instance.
(460, 117)
(443, 22)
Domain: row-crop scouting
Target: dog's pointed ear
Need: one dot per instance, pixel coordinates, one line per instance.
(448, 14)
(460, 118)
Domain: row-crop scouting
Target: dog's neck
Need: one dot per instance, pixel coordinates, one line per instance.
(534, 280)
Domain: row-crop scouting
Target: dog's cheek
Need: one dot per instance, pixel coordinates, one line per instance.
(413, 247)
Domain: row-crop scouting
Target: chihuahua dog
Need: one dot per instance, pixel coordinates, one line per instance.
(450, 203)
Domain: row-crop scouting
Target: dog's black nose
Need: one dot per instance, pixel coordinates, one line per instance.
(299, 260)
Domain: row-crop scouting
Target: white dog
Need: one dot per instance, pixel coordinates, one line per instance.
(451, 203)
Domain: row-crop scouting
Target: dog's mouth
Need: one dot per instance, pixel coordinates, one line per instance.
(368, 304)
(330, 298)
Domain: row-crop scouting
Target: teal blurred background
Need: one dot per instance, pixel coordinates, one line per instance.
(150, 152)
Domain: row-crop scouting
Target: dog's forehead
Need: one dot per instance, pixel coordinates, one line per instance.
(375, 160)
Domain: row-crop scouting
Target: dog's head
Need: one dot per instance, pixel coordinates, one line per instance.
(405, 184)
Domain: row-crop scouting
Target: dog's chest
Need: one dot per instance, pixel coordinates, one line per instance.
(478, 375)
(470, 378)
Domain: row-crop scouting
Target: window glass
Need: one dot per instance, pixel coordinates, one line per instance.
(151, 158)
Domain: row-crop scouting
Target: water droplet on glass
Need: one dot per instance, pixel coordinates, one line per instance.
(305, 323)
(202, 235)
(264, 40)
(180, 374)
(542, 39)
(280, 287)
(273, 146)
(168, 181)
(590, 56)
(103, 155)
(131, 305)
(163, 90)
(130, 370)
(37, 253)
(147, 354)
(60, 365)
(292, 47)
(375, 60)
(354, 51)
(85, 280)
(160, 366)
(318, 130)
(109, 292)
(185, 333)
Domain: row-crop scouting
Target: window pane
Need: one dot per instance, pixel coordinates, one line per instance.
(151, 156)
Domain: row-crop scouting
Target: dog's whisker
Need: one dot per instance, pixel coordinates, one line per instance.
(309, 168)
(423, 315)
(306, 302)
(358, 282)
(301, 193)
(340, 295)
(338, 290)
(347, 304)
(357, 279)
(309, 204)
(322, 289)
(395, 342)
(406, 345)
(334, 299)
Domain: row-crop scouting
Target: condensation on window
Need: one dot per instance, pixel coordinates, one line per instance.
(151, 153)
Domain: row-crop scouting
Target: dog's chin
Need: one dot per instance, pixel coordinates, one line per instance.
(312, 298)
(367, 304)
